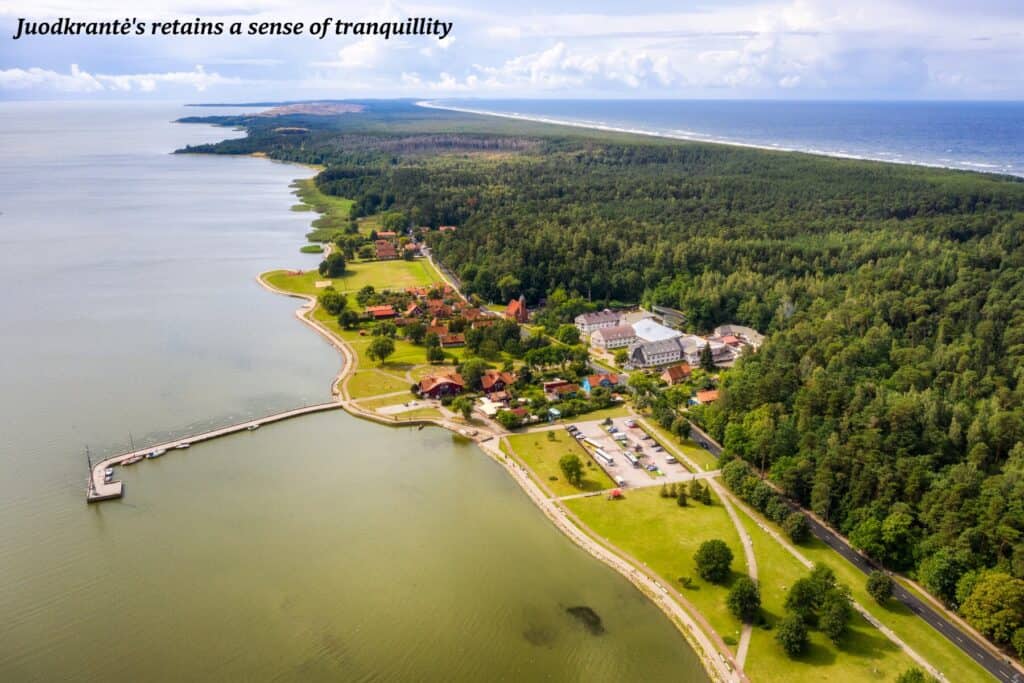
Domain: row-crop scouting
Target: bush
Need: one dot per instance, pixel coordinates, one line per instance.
(836, 612)
(880, 586)
(507, 419)
(796, 527)
(572, 468)
(914, 675)
(333, 302)
(744, 599)
(714, 560)
(333, 265)
(791, 634)
(1018, 642)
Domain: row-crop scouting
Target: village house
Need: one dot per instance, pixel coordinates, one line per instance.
(675, 374)
(609, 382)
(494, 381)
(564, 391)
(441, 384)
(703, 398)
(412, 248)
(617, 337)
(447, 228)
(450, 340)
(414, 310)
(381, 312)
(516, 310)
(385, 250)
(438, 308)
(746, 335)
(386, 235)
(587, 323)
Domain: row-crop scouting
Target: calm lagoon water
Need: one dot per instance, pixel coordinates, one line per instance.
(324, 548)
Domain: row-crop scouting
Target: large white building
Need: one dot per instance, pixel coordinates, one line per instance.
(587, 323)
(617, 337)
(651, 331)
(687, 347)
(653, 353)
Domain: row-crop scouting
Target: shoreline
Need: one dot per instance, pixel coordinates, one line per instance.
(710, 140)
(719, 667)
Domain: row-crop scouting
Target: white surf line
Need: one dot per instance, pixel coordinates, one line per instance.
(974, 167)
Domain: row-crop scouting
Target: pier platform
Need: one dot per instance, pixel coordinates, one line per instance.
(99, 490)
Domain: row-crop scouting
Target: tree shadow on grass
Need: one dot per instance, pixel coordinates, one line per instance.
(863, 640)
(817, 654)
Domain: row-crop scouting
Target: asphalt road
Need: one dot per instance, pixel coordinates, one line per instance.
(995, 665)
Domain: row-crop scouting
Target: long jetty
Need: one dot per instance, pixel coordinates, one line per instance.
(99, 490)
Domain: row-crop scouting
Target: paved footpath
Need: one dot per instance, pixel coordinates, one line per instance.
(748, 547)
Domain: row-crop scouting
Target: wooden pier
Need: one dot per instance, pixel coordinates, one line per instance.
(99, 490)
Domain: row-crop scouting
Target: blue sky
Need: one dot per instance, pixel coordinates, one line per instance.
(796, 49)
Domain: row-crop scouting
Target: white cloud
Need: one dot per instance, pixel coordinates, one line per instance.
(78, 80)
(27, 79)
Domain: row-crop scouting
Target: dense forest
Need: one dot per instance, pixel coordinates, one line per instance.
(889, 398)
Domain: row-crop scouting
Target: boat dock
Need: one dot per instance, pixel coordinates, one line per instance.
(99, 490)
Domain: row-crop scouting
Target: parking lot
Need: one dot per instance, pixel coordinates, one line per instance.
(618, 439)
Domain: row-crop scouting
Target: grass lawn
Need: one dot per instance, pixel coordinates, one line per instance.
(373, 383)
(692, 450)
(659, 533)
(913, 630)
(312, 249)
(374, 403)
(910, 628)
(380, 275)
(541, 455)
(420, 413)
(614, 411)
(865, 654)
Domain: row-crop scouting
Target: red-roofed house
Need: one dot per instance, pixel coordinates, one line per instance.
(381, 312)
(449, 340)
(706, 397)
(387, 235)
(385, 250)
(677, 373)
(516, 310)
(413, 311)
(447, 228)
(441, 384)
(609, 382)
(493, 380)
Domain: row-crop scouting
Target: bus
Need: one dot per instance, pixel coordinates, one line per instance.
(604, 457)
(591, 442)
(632, 459)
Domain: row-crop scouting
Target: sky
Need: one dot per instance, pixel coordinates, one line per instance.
(796, 49)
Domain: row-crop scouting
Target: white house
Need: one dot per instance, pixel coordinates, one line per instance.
(587, 323)
(616, 337)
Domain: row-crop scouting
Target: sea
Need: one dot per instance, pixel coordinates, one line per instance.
(973, 136)
(324, 548)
